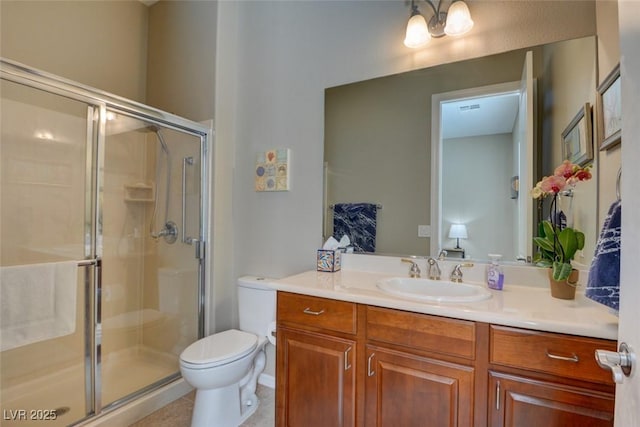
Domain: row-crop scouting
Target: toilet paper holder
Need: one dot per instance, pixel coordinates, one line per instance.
(271, 333)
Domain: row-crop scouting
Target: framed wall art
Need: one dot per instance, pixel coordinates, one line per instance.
(272, 170)
(609, 111)
(577, 140)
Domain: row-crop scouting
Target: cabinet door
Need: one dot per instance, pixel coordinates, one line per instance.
(315, 380)
(407, 390)
(523, 402)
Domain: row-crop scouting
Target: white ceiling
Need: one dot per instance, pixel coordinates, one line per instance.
(488, 115)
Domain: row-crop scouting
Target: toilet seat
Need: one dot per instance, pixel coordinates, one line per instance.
(218, 349)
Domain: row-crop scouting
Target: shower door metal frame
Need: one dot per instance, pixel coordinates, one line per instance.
(98, 102)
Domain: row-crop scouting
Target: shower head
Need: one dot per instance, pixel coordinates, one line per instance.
(155, 129)
(161, 139)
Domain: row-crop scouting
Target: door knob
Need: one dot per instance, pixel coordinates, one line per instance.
(619, 363)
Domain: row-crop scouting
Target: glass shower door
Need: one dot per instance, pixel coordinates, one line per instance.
(45, 276)
(150, 216)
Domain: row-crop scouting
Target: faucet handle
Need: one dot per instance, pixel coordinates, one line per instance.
(456, 273)
(414, 271)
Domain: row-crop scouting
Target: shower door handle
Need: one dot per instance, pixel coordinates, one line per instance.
(185, 161)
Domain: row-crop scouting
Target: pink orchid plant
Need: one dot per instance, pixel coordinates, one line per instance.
(558, 245)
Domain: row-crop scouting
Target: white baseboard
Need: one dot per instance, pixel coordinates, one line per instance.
(267, 380)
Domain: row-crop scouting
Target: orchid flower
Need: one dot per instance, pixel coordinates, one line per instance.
(567, 174)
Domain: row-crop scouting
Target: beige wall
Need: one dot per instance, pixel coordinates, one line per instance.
(181, 61)
(102, 44)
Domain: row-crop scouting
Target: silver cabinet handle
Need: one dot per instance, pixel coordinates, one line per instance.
(311, 312)
(573, 358)
(370, 373)
(619, 363)
(497, 395)
(347, 365)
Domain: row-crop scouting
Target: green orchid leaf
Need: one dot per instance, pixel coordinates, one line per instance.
(547, 229)
(580, 238)
(544, 263)
(569, 242)
(544, 244)
(561, 271)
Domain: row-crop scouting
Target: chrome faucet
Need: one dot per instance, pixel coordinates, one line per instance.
(442, 255)
(456, 273)
(414, 271)
(434, 269)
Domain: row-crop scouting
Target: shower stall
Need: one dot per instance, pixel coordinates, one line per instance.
(103, 226)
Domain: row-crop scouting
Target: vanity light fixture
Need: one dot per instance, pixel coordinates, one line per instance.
(455, 22)
(458, 231)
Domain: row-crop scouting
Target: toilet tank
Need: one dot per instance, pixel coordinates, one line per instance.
(256, 304)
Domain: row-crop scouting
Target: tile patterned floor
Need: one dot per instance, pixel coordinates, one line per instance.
(178, 413)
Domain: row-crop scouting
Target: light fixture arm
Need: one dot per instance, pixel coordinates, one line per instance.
(438, 21)
(436, 10)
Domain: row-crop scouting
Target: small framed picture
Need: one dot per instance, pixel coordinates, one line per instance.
(577, 140)
(609, 111)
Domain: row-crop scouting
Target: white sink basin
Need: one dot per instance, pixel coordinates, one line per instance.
(433, 290)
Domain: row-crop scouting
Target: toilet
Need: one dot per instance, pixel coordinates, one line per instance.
(224, 367)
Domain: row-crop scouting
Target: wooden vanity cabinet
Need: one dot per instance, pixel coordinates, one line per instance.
(315, 362)
(345, 364)
(419, 370)
(544, 379)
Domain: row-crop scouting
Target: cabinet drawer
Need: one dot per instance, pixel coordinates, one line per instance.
(564, 355)
(422, 332)
(317, 313)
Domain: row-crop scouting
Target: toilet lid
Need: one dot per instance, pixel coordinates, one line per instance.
(220, 348)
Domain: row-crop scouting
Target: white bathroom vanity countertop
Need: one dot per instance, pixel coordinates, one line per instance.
(523, 306)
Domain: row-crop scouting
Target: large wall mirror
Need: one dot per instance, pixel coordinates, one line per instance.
(444, 145)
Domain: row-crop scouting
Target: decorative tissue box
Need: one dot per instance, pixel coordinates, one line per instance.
(329, 260)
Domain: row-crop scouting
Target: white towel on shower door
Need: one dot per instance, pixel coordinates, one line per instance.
(37, 302)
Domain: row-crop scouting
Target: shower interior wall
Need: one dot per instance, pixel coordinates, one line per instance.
(43, 201)
(131, 258)
(54, 182)
(50, 182)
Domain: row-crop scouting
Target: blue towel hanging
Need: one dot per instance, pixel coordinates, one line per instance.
(603, 284)
(358, 221)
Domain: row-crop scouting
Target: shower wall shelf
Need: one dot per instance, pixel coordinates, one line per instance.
(139, 193)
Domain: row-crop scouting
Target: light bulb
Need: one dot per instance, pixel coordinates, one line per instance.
(417, 31)
(458, 19)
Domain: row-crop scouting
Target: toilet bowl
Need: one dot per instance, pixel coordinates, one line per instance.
(224, 367)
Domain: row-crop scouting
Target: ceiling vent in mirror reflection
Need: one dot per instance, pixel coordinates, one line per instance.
(465, 108)
(485, 115)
